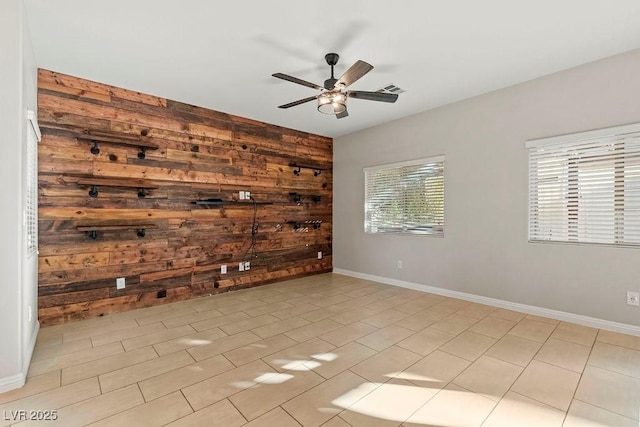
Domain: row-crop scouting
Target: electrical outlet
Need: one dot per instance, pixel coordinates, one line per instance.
(247, 265)
(120, 283)
(241, 195)
(399, 264)
(247, 195)
(319, 254)
(223, 269)
(241, 266)
(633, 298)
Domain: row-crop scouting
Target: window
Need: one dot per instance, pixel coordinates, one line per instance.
(585, 188)
(31, 198)
(405, 197)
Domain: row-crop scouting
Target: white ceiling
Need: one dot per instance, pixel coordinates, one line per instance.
(221, 55)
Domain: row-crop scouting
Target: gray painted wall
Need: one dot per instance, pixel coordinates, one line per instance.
(485, 250)
(10, 133)
(18, 83)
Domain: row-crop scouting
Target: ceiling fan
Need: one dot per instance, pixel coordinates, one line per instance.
(333, 96)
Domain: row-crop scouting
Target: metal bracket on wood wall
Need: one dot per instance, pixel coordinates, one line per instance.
(92, 230)
(297, 197)
(317, 170)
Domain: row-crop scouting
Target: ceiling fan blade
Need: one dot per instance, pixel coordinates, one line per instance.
(342, 115)
(298, 102)
(373, 96)
(297, 80)
(357, 70)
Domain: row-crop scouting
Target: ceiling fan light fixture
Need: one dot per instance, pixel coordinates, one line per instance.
(332, 102)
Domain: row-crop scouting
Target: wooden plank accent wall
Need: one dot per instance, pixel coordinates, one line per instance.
(202, 154)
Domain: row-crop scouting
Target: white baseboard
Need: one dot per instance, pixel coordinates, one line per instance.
(529, 309)
(18, 380)
(14, 381)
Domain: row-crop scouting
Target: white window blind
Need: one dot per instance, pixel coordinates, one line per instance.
(31, 199)
(585, 188)
(405, 197)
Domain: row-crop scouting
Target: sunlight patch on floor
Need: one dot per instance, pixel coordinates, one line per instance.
(389, 401)
(273, 379)
(325, 357)
(411, 377)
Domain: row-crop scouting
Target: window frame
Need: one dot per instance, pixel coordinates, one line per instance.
(399, 165)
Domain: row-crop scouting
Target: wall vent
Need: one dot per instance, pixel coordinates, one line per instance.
(391, 88)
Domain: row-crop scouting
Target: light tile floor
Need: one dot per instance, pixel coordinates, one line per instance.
(329, 350)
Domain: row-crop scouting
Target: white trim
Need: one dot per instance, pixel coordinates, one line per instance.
(422, 161)
(12, 382)
(33, 121)
(582, 136)
(524, 308)
(18, 380)
(32, 345)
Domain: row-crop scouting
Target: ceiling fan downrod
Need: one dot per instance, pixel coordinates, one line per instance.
(332, 59)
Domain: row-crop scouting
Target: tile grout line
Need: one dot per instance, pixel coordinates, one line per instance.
(343, 409)
(232, 404)
(429, 399)
(471, 363)
(185, 398)
(287, 412)
(485, 355)
(227, 359)
(524, 368)
(608, 410)
(573, 396)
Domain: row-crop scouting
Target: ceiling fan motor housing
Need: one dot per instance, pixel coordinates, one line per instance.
(330, 83)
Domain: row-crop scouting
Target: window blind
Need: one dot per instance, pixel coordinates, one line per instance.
(31, 198)
(405, 197)
(585, 188)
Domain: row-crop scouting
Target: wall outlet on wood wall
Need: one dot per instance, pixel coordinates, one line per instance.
(223, 269)
(120, 282)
